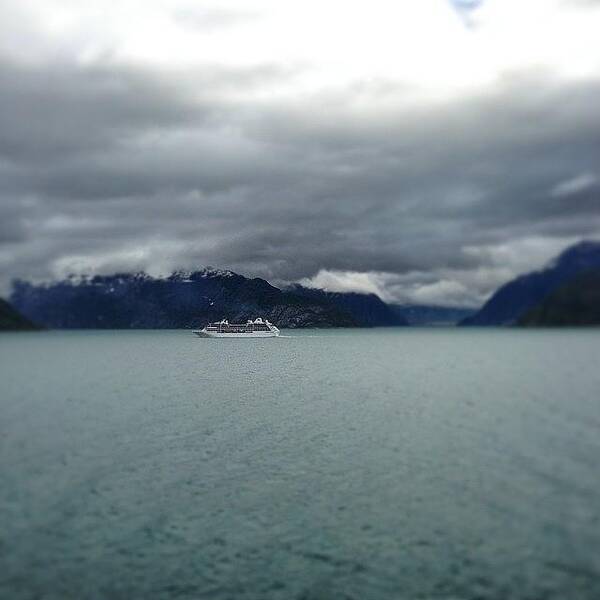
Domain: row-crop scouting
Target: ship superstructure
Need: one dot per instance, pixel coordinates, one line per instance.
(250, 329)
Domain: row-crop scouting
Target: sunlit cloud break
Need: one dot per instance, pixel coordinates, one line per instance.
(465, 9)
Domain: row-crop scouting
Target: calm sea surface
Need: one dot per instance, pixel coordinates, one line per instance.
(407, 463)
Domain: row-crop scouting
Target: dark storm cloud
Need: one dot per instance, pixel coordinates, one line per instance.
(12, 229)
(49, 111)
(115, 167)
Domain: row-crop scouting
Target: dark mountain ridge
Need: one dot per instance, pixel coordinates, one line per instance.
(522, 294)
(194, 298)
(11, 320)
(184, 299)
(574, 304)
(367, 309)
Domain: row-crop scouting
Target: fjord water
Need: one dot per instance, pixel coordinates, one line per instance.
(406, 463)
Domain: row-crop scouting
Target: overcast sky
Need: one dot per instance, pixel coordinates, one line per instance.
(427, 151)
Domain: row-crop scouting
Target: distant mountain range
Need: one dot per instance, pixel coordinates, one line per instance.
(11, 320)
(563, 293)
(366, 309)
(532, 298)
(192, 299)
(138, 301)
(371, 311)
(420, 315)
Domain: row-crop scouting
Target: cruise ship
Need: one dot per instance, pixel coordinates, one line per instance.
(251, 329)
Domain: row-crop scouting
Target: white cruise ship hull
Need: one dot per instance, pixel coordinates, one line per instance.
(249, 334)
(250, 329)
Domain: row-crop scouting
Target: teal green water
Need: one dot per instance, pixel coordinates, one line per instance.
(407, 463)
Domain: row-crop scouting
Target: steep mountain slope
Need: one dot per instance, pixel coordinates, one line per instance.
(517, 297)
(574, 304)
(11, 320)
(367, 309)
(138, 301)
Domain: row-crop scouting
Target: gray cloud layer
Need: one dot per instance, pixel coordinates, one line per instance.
(111, 166)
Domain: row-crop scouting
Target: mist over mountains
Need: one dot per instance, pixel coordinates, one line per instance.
(139, 301)
(192, 299)
(561, 294)
(368, 309)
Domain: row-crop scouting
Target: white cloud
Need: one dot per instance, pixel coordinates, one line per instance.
(577, 184)
(411, 288)
(443, 292)
(421, 44)
(349, 281)
(520, 255)
(381, 145)
(467, 287)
